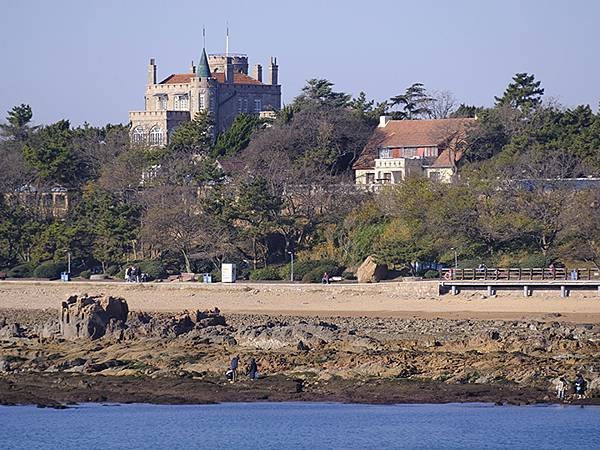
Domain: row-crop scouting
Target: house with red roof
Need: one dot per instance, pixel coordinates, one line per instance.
(398, 149)
(219, 84)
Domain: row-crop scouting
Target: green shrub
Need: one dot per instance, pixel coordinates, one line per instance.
(155, 269)
(301, 268)
(50, 270)
(265, 273)
(113, 270)
(21, 271)
(431, 274)
(347, 275)
(216, 276)
(316, 275)
(85, 274)
(534, 260)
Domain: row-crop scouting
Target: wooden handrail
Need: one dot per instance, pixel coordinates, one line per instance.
(519, 274)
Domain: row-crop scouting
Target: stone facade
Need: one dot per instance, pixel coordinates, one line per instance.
(220, 84)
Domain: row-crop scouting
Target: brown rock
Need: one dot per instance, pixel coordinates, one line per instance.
(371, 272)
(89, 317)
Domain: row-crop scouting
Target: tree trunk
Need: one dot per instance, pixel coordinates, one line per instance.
(188, 266)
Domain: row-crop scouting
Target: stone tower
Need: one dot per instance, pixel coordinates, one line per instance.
(203, 88)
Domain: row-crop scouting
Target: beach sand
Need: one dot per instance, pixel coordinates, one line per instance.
(402, 299)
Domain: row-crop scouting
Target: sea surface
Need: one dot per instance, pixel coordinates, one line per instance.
(252, 426)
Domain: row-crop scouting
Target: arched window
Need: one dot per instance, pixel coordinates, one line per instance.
(156, 135)
(138, 135)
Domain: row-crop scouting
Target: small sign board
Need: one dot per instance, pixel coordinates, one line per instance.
(228, 273)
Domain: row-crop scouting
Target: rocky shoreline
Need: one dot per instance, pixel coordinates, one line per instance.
(165, 358)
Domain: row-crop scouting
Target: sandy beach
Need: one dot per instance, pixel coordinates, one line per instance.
(405, 299)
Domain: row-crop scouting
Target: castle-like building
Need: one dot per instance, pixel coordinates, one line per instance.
(219, 84)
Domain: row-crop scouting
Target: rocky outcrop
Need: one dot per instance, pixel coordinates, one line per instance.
(371, 272)
(142, 324)
(89, 317)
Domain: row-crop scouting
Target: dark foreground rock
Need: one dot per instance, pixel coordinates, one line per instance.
(53, 391)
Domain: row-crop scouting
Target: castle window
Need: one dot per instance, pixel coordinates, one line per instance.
(161, 102)
(257, 105)
(182, 102)
(201, 104)
(240, 105)
(245, 105)
(156, 136)
(138, 135)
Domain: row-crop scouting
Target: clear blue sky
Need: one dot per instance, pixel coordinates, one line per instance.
(86, 60)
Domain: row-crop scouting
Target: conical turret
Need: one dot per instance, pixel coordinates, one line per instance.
(203, 69)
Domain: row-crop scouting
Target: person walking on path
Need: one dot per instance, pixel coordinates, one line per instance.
(128, 275)
(253, 369)
(580, 386)
(325, 279)
(235, 361)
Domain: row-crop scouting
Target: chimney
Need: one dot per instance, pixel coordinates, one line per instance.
(192, 68)
(152, 72)
(228, 70)
(257, 72)
(383, 120)
(273, 70)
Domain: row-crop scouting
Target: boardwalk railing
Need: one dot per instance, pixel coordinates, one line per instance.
(520, 274)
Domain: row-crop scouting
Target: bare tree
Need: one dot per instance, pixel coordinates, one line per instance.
(441, 104)
(175, 222)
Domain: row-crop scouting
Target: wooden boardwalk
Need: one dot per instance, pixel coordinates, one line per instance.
(527, 279)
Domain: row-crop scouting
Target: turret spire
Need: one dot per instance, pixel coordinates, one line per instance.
(203, 69)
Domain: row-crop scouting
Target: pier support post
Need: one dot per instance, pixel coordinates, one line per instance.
(526, 291)
(563, 292)
(490, 291)
(454, 290)
(598, 291)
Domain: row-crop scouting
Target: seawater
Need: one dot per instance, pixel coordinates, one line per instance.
(300, 426)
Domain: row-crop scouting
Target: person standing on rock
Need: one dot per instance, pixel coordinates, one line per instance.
(561, 387)
(234, 366)
(580, 386)
(253, 369)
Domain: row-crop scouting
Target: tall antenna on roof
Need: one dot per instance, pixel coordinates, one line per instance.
(227, 38)
(203, 36)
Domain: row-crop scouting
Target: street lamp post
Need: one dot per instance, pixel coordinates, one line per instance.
(455, 257)
(69, 263)
(292, 266)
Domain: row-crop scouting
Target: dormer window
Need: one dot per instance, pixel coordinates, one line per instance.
(384, 153)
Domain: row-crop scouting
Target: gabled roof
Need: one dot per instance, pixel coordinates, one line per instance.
(412, 133)
(182, 78)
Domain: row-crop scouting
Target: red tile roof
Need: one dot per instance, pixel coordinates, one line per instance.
(238, 78)
(413, 133)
